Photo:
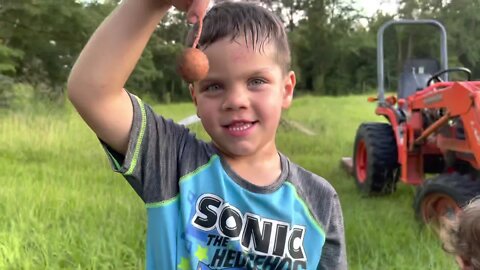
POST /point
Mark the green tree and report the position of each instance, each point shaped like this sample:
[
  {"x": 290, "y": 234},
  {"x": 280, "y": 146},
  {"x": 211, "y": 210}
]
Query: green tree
[
  {"x": 8, "y": 59},
  {"x": 462, "y": 18},
  {"x": 50, "y": 35},
  {"x": 322, "y": 46}
]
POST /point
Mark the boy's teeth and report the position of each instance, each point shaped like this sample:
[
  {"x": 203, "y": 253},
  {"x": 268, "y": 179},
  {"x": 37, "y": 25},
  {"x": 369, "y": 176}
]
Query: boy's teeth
[{"x": 240, "y": 126}]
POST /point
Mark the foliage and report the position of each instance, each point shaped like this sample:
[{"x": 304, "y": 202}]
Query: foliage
[
  {"x": 8, "y": 56},
  {"x": 333, "y": 52},
  {"x": 6, "y": 90},
  {"x": 16, "y": 96}
]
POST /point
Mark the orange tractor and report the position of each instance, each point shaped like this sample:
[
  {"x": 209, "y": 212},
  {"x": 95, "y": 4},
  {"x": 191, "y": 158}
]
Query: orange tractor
[{"x": 433, "y": 132}]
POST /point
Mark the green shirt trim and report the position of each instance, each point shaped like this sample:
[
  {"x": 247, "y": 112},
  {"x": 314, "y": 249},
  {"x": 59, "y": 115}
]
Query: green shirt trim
[
  {"x": 139, "y": 139},
  {"x": 182, "y": 179},
  {"x": 162, "y": 203},
  {"x": 189, "y": 176}
]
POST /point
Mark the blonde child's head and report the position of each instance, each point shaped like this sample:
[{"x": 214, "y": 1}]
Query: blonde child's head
[{"x": 461, "y": 237}]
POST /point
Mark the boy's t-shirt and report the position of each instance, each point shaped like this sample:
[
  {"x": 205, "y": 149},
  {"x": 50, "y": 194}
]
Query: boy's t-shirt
[{"x": 201, "y": 215}]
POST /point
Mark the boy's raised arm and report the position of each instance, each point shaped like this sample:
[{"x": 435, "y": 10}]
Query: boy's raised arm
[{"x": 95, "y": 85}]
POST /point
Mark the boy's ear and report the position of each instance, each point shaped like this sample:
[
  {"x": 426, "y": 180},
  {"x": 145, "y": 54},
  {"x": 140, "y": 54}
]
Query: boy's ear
[
  {"x": 288, "y": 88},
  {"x": 192, "y": 93}
]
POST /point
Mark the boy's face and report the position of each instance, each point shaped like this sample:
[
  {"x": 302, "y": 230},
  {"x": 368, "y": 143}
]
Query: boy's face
[{"x": 241, "y": 100}]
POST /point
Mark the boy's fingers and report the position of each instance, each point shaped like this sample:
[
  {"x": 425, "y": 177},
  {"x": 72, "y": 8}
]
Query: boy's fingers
[{"x": 197, "y": 10}]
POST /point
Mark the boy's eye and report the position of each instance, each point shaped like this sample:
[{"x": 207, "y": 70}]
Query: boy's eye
[
  {"x": 257, "y": 81},
  {"x": 212, "y": 88}
]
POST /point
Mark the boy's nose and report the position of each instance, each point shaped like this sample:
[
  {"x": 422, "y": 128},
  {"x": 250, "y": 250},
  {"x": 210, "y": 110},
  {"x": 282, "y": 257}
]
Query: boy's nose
[{"x": 236, "y": 98}]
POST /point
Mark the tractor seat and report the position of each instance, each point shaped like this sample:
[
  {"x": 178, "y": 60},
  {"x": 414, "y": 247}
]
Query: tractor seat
[
  {"x": 410, "y": 83},
  {"x": 415, "y": 75}
]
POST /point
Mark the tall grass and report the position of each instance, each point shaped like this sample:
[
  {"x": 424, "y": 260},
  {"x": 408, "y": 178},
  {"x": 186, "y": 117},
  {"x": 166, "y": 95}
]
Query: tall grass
[{"x": 62, "y": 208}]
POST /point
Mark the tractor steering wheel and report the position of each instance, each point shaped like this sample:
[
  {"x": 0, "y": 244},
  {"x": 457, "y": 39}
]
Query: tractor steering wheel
[{"x": 436, "y": 77}]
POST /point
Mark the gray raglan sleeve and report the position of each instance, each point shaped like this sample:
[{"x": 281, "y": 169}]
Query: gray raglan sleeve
[
  {"x": 334, "y": 250},
  {"x": 325, "y": 206},
  {"x": 152, "y": 162}
]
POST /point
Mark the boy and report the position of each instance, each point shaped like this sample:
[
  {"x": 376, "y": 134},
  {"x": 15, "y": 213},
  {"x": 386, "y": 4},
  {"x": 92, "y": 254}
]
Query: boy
[{"x": 234, "y": 203}]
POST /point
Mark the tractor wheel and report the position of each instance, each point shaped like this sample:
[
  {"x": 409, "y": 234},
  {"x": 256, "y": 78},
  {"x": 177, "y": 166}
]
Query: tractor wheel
[
  {"x": 443, "y": 197},
  {"x": 375, "y": 157}
]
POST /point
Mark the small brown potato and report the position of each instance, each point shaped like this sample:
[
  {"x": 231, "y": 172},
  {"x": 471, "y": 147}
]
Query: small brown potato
[{"x": 192, "y": 65}]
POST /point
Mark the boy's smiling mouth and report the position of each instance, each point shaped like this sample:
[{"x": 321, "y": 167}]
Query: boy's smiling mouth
[{"x": 239, "y": 127}]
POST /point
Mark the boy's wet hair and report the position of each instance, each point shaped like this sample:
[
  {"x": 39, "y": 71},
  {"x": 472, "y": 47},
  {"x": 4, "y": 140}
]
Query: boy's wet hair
[
  {"x": 247, "y": 20},
  {"x": 462, "y": 236}
]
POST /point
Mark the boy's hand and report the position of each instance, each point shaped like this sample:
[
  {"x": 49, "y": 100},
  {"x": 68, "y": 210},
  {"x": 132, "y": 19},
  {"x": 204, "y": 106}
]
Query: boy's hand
[{"x": 195, "y": 9}]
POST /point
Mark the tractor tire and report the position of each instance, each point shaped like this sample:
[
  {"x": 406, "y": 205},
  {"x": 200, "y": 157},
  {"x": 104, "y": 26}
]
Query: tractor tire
[
  {"x": 443, "y": 197},
  {"x": 375, "y": 164}
]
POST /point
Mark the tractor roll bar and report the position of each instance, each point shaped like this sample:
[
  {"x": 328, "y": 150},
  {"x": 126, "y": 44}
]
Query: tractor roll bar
[{"x": 380, "y": 60}]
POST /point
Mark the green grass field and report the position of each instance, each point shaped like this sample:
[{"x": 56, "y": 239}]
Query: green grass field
[{"x": 61, "y": 207}]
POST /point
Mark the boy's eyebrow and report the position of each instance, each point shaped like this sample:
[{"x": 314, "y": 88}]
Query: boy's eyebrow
[
  {"x": 257, "y": 72},
  {"x": 263, "y": 70},
  {"x": 244, "y": 74},
  {"x": 208, "y": 80}
]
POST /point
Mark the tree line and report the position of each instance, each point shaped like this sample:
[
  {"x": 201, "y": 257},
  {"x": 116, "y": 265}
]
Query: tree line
[{"x": 333, "y": 45}]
